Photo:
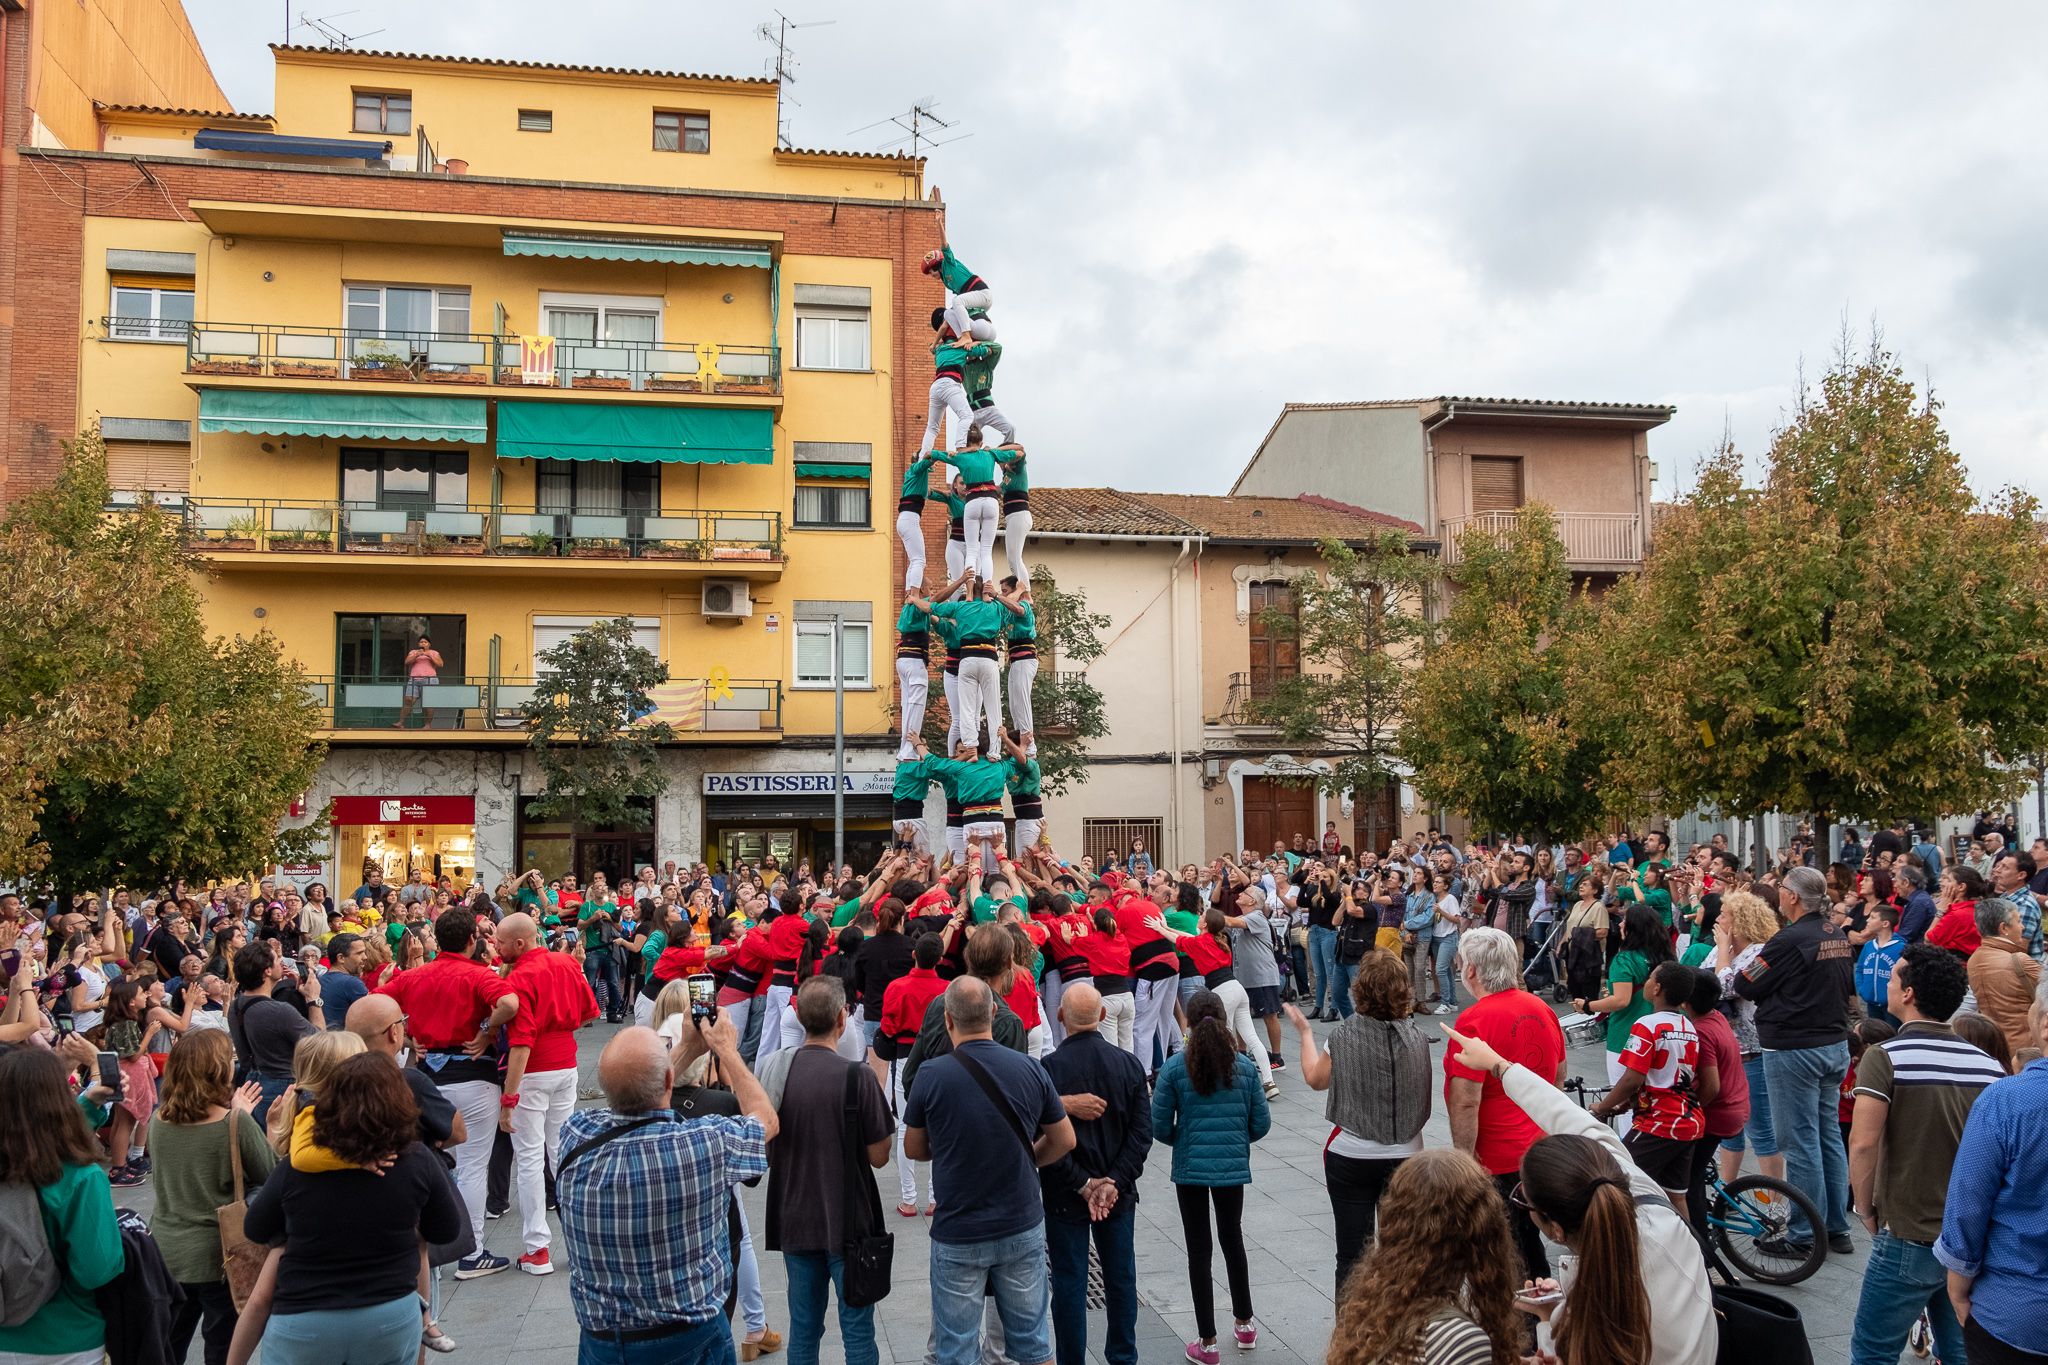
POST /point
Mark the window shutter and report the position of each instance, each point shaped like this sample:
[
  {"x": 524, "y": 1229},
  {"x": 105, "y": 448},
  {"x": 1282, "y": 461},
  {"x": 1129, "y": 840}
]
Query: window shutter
[
  {"x": 152, "y": 466},
  {"x": 814, "y": 653},
  {"x": 1496, "y": 483}
]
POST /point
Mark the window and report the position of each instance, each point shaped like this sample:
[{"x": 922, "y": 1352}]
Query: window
[
  {"x": 383, "y": 111},
  {"x": 601, "y": 317},
  {"x": 1100, "y": 839},
  {"x": 373, "y": 648},
  {"x": 831, "y": 505},
  {"x": 148, "y": 312},
  {"x": 147, "y": 455},
  {"x": 1275, "y": 652},
  {"x": 393, "y": 479},
  {"x": 679, "y": 132},
  {"x": 814, "y": 662},
  {"x": 536, "y": 120},
  {"x": 549, "y": 631},
  {"x": 832, "y": 338},
  {"x": 1496, "y": 483},
  {"x": 408, "y": 315},
  {"x": 597, "y": 487}
]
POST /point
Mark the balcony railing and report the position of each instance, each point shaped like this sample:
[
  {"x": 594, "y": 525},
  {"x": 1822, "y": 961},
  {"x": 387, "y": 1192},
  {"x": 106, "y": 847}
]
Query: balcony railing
[
  {"x": 1238, "y": 703},
  {"x": 1063, "y": 717},
  {"x": 280, "y": 526},
  {"x": 1591, "y": 539},
  {"x": 273, "y": 351},
  {"x": 485, "y": 704}
]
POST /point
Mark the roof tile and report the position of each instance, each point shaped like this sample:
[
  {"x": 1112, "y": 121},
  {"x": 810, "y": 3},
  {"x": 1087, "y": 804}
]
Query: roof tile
[
  {"x": 530, "y": 66},
  {"x": 1108, "y": 511}
]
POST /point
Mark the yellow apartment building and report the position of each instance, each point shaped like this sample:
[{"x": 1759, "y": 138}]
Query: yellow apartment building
[{"x": 478, "y": 352}]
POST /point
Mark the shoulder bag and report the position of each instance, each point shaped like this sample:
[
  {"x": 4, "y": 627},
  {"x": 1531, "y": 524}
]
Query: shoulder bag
[
  {"x": 870, "y": 1252},
  {"x": 241, "y": 1260}
]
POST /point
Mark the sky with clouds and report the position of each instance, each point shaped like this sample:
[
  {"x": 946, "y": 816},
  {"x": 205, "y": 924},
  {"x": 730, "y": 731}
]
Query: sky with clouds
[{"x": 1196, "y": 211}]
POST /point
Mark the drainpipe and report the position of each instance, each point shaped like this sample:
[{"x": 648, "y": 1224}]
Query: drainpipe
[
  {"x": 1432, "y": 522},
  {"x": 1173, "y": 687}
]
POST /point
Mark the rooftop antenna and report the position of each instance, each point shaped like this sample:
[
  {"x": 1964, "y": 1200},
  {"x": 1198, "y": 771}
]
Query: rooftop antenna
[
  {"x": 915, "y": 124},
  {"x": 783, "y": 65},
  {"x": 329, "y": 30}
]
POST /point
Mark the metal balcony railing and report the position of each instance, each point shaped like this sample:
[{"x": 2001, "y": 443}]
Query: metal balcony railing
[
  {"x": 1062, "y": 717},
  {"x": 280, "y": 351},
  {"x": 690, "y": 705},
  {"x": 283, "y": 526},
  {"x": 1590, "y": 538}
]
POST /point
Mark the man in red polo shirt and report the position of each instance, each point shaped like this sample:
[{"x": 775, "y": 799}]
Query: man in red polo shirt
[
  {"x": 1521, "y": 1028},
  {"x": 540, "y": 1069},
  {"x": 452, "y": 1006}
]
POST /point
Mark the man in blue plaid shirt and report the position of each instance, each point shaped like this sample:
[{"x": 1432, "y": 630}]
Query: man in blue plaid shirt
[{"x": 644, "y": 1197}]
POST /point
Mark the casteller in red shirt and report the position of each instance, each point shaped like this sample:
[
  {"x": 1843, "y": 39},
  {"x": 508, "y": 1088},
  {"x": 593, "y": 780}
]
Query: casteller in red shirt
[
  {"x": 904, "y": 1003},
  {"x": 1522, "y": 1029},
  {"x": 554, "y": 1001},
  {"x": 445, "y": 1000}
]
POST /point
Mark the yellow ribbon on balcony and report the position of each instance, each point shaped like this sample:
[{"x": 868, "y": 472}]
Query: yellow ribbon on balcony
[{"x": 720, "y": 683}]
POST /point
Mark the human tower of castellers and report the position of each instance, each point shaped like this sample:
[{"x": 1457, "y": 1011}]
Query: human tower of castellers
[{"x": 975, "y": 617}]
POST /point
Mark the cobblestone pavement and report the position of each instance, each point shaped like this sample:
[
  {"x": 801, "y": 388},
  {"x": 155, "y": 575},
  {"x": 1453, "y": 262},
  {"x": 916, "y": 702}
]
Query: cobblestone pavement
[{"x": 1289, "y": 1235}]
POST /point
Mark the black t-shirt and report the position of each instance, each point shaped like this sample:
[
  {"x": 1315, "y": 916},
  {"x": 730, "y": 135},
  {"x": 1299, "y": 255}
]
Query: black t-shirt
[
  {"x": 1322, "y": 906},
  {"x": 807, "y": 1159},
  {"x": 353, "y": 1235},
  {"x": 265, "y": 1033},
  {"x": 437, "y": 1115},
  {"x": 1883, "y": 839},
  {"x": 883, "y": 958}
]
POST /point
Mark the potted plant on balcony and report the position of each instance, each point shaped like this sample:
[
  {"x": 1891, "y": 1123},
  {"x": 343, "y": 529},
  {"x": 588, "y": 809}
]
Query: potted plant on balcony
[
  {"x": 381, "y": 364},
  {"x": 304, "y": 369},
  {"x": 438, "y": 544},
  {"x": 209, "y": 365},
  {"x": 597, "y": 548},
  {"x": 673, "y": 383},
  {"x": 671, "y": 549},
  {"x": 742, "y": 551},
  {"x": 299, "y": 541},
  {"x": 241, "y": 534},
  {"x": 602, "y": 381},
  {"x": 532, "y": 543}
]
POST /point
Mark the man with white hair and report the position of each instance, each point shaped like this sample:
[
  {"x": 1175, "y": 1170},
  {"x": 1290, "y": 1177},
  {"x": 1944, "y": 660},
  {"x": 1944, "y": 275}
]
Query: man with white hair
[
  {"x": 1521, "y": 1028},
  {"x": 1802, "y": 983}
]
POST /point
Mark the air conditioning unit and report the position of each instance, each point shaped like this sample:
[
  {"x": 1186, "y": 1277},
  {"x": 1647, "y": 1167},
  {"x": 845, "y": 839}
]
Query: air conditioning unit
[{"x": 727, "y": 599}]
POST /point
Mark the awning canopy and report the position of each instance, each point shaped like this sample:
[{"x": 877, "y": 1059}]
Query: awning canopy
[
  {"x": 807, "y": 470},
  {"x": 384, "y": 417},
  {"x": 635, "y": 433},
  {"x": 635, "y": 249},
  {"x": 277, "y": 144}
]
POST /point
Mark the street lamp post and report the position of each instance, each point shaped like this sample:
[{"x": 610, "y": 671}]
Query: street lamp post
[{"x": 838, "y": 744}]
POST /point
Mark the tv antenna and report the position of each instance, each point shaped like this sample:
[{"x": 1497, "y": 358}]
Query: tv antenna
[
  {"x": 916, "y": 124},
  {"x": 782, "y": 66},
  {"x": 329, "y": 30}
]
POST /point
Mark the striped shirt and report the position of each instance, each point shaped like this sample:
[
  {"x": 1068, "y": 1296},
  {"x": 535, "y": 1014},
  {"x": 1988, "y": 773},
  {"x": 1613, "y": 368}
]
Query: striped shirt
[
  {"x": 1929, "y": 1078},
  {"x": 1451, "y": 1338}
]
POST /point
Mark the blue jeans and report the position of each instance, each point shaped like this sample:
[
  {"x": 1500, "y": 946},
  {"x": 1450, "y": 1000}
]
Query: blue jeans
[
  {"x": 384, "y": 1334},
  {"x": 600, "y": 968},
  {"x": 1115, "y": 1244},
  {"x": 1340, "y": 985},
  {"x": 1322, "y": 953},
  {"x": 963, "y": 1272},
  {"x": 809, "y": 1272},
  {"x": 1806, "y": 1104},
  {"x": 272, "y": 1087},
  {"x": 1902, "y": 1278},
  {"x": 708, "y": 1343},
  {"x": 1447, "y": 969},
  {"x": 1757, "y": 1133}
]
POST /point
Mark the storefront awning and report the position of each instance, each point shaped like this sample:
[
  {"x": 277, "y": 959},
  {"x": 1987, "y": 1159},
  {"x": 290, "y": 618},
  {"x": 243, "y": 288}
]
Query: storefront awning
[
  {"x": 635, "y": 433},
  {"x": 635, "y": 249},
  {"x": 376, "y": 416}
]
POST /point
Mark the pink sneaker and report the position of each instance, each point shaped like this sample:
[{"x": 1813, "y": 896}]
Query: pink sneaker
[
  {"x": 1247, "y": 1336},
  {"x": 1202, "y": 1355}
]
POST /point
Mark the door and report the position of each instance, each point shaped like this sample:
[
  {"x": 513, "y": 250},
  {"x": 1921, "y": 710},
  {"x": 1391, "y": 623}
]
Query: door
[
  {"x": 1275, "y": 655},
  {"x": 1275, "y": 813},
  {"x": 1373, "y": 818},
  {"x": 1496, "y": 483},
  {"x": 606, "y": 853}
]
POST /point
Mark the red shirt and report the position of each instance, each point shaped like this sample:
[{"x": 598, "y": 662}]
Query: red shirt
[
  {"x": 1145, "y": 942},
  {"x": 1521, "y": 1029},
  {"x": 554, "y": 1001},
  {"x": 1956, "y": 930},
  {"x": 1718, "y": 1048},
  {"x": 1023, "y": 1000},
  {"x": 905, "y": 1001},
  {"x": 1205, "y": 952},
  {"x": 444, "y": 1000},
  {"x": 1664, "y": 1049},
  {"x": 1105, "y": 954},
  {"x": 786, "y": 939},
  {"x": 685, "y": 959}
]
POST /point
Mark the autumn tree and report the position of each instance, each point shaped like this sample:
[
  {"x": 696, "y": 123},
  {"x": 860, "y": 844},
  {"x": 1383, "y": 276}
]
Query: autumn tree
[
  {"x": 1855, "y": 637},
  {"x": 591, "y": 732},
  {"x": 1490, "y": 730}
]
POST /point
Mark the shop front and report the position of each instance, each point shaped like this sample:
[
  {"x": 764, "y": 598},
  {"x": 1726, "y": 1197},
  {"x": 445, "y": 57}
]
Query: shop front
[
  {"x": 398, "y": 835},
  {"x": 562, "y": 848},
  {"x": 752, "y": 816}
]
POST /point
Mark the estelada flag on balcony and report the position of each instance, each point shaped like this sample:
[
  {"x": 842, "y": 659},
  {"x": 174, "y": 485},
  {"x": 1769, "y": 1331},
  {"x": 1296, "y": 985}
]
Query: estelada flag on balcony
[
  {"x": 536, "y": 360},
  {"x": 680, "y": 703}
]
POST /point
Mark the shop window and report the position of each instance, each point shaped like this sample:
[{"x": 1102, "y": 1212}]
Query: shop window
[
  {"x": 149, "y": 312},
  {"x": 816, "y": 666},
  {"x": 675, "y": 131},
  {"x": 831, "y": 506},
  {"x": 383, "y": 111},
  {"x": 1104, "y": 839},
  {"x": 393, "y": 479}
]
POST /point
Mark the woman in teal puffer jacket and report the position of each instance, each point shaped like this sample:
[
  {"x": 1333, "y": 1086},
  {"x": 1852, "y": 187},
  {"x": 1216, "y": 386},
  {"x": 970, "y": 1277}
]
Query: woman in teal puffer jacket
[{"x": 1210, "y": 1108}]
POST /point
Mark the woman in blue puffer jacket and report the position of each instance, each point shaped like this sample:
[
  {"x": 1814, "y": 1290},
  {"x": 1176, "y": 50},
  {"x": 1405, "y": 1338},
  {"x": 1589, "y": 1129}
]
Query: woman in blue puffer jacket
[{"x": 1210, "y": 1108}]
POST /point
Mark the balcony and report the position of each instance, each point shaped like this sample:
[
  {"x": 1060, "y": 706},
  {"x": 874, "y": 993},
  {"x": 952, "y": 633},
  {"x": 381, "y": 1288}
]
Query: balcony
[
  {"x": 1242, "y": 701},
  {"x": 1594, "y": 542},
  {"x": 1062, "y": 718},
  {"x": 487, "y": 709},
  {"x": 336, "y": 355},
  {"x": 284, "y": 534}
]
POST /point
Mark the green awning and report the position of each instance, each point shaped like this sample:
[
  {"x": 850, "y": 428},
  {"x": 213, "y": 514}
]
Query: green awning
[
  {"x": 372, "y": 416},
  {"x": 635, "y": 433},
  {"x": 832, "y": 471},
  {"x": 635, "y": 249}
]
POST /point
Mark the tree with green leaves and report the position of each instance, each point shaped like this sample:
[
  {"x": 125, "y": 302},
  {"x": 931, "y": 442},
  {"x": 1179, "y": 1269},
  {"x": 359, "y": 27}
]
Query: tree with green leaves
[
  {"x": 590, "y": 729},
  {"x": 1491, "y": 730},
  {"x": 133, "y": 747},
  {"x": 1856, "y": 637},
  {"x": 1359, "y": 625}
]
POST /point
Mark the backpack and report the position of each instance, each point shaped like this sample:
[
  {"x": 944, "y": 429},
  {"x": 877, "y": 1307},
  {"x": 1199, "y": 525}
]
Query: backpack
[{"x": 29, "y": 1273}]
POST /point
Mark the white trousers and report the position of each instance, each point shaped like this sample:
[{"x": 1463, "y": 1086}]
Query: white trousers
[
  {"x": 546, "y": 1099},
  {"x": 1155, "y": 1025},
  {"x": 981, "y": 693},
  {"x": 983, "y": 298},
  {"x": 1022, "y": 674},
  {"x": 913, "y": 833},
  {"x": 738, "y": 1014},
  {"x": 914, "y": 680},
  {"x": 956, "y": 844},
  {"x": 1119, "y": 1018},
  {"x": 985, "y": 839},
  {"x": 1016, "y": 535},
  {"x": 910, "y": 530},
  {"x": 906, "y": 1169},
  {"x": 979, "y": 522},
  {"x": 1027, "y": 834},
  {"x": 1231, "y": 993},
  {"x": 778, "y": 1015},
  {"x": 991, "y": 417},
  {"x": 950, "y": 681},
  {"x": 477, "y": 1102},
  {"x": 956, "y": 556},
  {"x": 1049, "y": 988},
  {"x": 947, "y": 397}
]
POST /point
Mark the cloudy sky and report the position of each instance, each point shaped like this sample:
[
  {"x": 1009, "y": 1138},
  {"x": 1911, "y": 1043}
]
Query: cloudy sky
[{"x": 1195, "y": 211}]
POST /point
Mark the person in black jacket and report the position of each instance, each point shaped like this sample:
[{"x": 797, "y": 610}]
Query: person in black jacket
[{"x": 1093, "y": 1190}]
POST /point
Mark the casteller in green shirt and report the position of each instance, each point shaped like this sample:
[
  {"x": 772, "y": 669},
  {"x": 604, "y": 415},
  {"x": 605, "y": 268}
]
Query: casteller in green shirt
[{"x": 986, "y": 907}]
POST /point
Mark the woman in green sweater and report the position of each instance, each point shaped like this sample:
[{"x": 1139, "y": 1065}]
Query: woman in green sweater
[
  {"x": 1645, "y": 945},
  {"x": 46, "y": 1144}
]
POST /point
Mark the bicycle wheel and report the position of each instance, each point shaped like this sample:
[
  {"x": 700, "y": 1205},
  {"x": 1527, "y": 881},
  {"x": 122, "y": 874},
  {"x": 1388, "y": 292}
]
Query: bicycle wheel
[{"x": 1750, "y": 1217}]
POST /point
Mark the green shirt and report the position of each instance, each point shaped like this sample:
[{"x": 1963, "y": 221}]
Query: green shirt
[
  {"x": 917, "y": 477},
  {"x": 913, "y": 779},
  {"x": 846, "y": 912},
  {"x": 955, "y": 506},
  {"x": 1023, "y": 625},
  {"x": 593, "y": 933},
  {"x": 78, "y": 1221},
  {"x": 985, "y": 907},
  {"x": 913, "y": 620},
  {"x": 1183, "y": 922},
  {"x": 978, "y": 621},
  {"x": 1696, "y": 953},
  {"x": 192, "y": 1175},
  {"x": 980, "y": 378},
  {"x": 955, "y": 276},
  {"x": 1630, "y": 968},
  {"x": 976, "y": 465},
  {"x": 1023, "y": 778},
  {"x": 1014, "y": 477},
  {"x": 970, "y": 781},
  {"x": 530, "y": 900},
  {"x": 953, "y": 355},
  {"x": 656, "y": 945}
]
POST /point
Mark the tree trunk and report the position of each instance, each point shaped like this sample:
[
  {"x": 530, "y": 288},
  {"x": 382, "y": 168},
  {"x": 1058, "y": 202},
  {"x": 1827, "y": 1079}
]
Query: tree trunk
[{"x": 1759, "y": 856}]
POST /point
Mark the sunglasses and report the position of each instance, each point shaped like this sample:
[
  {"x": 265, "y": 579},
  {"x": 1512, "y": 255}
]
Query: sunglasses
[{"x": 1519, "y": 1199}]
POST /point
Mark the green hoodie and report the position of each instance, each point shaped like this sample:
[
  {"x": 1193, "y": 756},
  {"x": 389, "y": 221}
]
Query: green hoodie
[{"x": 918, "y": 476}]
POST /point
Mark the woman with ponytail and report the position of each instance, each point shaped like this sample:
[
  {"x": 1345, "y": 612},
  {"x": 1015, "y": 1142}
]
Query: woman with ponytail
[
  {"x": 1640, "y": 1294},
  {"x": 1210, "y": 1108}
]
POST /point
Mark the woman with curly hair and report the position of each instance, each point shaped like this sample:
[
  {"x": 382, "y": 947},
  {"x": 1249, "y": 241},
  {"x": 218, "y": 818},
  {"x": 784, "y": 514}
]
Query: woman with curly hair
[
  {"x": 1437, "y": 1287},
  {"x": 1745, "y": 924}
]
